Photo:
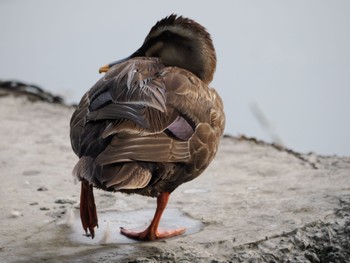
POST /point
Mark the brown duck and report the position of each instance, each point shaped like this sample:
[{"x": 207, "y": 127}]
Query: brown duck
[{"x": 151, "y": 123}]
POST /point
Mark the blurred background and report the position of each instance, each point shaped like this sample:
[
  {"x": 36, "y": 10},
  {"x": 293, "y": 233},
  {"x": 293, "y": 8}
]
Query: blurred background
[{"x": 283, "y": 66}]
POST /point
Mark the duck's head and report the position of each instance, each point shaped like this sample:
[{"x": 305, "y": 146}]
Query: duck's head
[{"x": 180, "y": 42}]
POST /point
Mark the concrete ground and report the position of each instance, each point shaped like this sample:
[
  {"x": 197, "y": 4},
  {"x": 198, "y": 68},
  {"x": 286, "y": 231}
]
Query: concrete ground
[{"x": 255, "y": 203}]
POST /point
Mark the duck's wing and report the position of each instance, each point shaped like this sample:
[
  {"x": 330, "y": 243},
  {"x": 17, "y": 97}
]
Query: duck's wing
[
  {"x": 130, "y": 99},
  {"x": 141, "y": 111}
]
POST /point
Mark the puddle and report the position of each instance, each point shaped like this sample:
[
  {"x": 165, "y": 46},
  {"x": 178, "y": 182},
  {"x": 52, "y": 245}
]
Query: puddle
[{"x": 110, "y": 222}]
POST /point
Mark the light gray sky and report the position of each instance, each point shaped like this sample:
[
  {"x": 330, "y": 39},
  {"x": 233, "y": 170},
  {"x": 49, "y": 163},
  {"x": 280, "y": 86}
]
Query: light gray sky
[{"x": 290, "y": 59}]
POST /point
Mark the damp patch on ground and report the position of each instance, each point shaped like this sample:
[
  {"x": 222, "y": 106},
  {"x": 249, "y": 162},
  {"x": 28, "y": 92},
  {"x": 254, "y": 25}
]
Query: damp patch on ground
[{"x": 110, "y": 222}]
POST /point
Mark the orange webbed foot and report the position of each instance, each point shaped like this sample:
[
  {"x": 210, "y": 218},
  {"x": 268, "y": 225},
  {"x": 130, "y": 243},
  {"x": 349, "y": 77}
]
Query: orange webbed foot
[
  {"x": 149, "y": 235},
  {"x": 152, "y": 232}
]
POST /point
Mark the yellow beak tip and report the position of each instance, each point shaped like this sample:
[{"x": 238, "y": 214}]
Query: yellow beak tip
[{"x": 104, "y": 68}]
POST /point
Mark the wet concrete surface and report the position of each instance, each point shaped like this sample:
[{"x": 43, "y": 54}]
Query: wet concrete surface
[{"x": 255, "y": 203}]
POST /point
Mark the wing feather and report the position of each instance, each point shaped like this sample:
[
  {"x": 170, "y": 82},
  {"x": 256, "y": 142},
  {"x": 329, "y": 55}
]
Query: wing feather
[
  {"x": 143, "y": 112},
  {"x": 154, "y": 148}
]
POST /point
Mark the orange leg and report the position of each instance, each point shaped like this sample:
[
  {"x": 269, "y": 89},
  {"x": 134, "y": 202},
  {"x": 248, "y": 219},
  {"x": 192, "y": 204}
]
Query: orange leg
[
  {"x": 152, "y": 232},
  {"x": 88, "y": 214}
]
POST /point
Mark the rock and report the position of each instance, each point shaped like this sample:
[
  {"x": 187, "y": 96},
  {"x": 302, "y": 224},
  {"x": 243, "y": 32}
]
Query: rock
[
  {"x": 31, "y": 173},
  {"x": 312, "y": 257},
  {"x": 65, "y": 201},
  {"x": 16, "y": 213}
]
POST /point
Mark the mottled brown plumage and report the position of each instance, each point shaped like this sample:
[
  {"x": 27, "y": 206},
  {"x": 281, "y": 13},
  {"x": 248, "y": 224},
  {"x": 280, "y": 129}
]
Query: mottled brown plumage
[{"x": 151, "y": 123}]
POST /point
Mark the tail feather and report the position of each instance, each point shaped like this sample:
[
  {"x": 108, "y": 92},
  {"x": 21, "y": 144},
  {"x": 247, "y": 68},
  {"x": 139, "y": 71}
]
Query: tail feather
[{"x": 84, "y": 169}]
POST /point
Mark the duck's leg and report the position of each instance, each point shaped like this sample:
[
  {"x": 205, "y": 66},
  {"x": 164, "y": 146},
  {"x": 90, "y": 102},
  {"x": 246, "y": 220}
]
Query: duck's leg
[
  {"x": 152, "y": 232},
  {"x": 88, "y": 214}
]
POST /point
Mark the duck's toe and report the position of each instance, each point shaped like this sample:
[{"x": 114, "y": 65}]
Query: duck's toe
[{"x": 149, "y": 235}]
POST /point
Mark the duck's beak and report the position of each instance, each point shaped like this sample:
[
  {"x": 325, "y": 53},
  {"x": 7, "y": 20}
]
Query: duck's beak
[{"x": 106, "y": 67}]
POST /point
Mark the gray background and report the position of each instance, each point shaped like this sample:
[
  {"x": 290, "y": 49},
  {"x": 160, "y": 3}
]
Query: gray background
[{"x": 287, "y": 60}]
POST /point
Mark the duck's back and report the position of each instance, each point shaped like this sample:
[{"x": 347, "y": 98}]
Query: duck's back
[{"x": 146, "y": 128}]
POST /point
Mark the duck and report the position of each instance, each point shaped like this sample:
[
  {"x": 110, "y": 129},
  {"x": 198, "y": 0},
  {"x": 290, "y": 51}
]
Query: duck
[{"x": 151, "y": 123}]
